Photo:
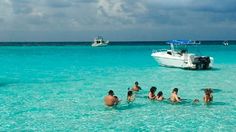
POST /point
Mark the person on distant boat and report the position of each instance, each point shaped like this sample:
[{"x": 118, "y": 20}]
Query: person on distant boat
[
  {"x": 151, "y": 94},
  {"x": 110, "y": 100},
  {"x": 174, "y": 97},
  {"x": 136, "y": 87},
  {"x": 130, "y": 96},
  {"x": 159, "y": 96},
  {"x": 208, "y": 97}
]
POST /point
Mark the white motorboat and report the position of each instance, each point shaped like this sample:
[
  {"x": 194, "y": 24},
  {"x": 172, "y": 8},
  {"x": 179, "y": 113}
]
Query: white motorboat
[
  {"x": 181, "y": 58},
  {"x": 225, "y": 43},
  {"x": 99, "y": 42}
]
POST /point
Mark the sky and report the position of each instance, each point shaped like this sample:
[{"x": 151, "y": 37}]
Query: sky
[{"x": 117, "y": 20}]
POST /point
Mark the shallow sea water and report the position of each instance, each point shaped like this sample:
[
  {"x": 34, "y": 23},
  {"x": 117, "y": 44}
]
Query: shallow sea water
[{"x": 46, "y": 88}]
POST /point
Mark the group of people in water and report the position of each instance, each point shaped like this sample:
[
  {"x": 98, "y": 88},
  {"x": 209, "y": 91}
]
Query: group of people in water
[{"x": 111, "y": 99}]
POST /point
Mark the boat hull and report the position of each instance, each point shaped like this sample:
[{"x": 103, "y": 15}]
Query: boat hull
[
  {"x": 99, "y": 45},
  {"x": 169, "y": 62},
  {"x": 179, "y": 61}
]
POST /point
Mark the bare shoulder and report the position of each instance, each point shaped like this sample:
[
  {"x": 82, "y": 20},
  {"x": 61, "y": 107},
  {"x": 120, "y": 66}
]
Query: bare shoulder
[{"x": 105, "y": 98}]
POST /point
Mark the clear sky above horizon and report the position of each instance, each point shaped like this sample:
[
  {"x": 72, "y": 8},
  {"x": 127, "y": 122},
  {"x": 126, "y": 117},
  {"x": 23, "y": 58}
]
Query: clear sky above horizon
[{"x": 117, "y": 20}]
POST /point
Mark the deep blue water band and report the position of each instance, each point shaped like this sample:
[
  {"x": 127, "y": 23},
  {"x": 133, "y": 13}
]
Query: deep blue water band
[{"x": 123, "y": 43}]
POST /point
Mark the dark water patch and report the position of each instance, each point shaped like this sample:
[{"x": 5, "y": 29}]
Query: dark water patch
[
  {"x": 128, "y": 106},
  {"x": 218, "y": 103},
  {"x": 215, "y": 69},
  {"x": 112, "y": 43},
  {"x": 214, "y": 90},
  {"x": 45, "y": 43},
  {"x": 3, "y": 84},
  {"x": 202, "y": 70}
]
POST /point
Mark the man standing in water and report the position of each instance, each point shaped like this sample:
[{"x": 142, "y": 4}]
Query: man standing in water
[{"x": 110, "y": 99}]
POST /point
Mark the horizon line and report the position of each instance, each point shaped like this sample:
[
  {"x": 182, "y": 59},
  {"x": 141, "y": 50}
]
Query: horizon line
[{"x": 72, "y": 41}]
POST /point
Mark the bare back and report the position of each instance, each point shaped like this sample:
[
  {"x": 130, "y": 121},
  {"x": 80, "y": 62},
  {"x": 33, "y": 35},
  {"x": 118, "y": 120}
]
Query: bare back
[
  {"x": 207, "y": 98},
  {"x": 109, "y": 100},
  {"x": 136, "y": 88},
  {"x": 174, "y": 97}
]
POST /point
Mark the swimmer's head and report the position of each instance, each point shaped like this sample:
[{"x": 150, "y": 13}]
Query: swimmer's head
[
  {"x": 208, "y": 91},
  {"x": 130, "y": 93},
  {"x": 111, "y": 92},
  {"x": 136, "y": 83},
  {"x": 159, "y": 93},
  {"x": 175, "y": 90},
  {"x": 153, "y": 89},
  {"x": 196, "y": 100}
]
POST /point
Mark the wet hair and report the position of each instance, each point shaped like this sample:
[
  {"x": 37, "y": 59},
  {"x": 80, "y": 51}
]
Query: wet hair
[
  {"x": 111, "y": 92},
  {"x": 159, "y": 94},
  {"x": 196, "y": 100},
  {"x": 116, "y": 97},
  {"x": 175, "y": 90},
  {"x": 136, "y": 83},
  {"x": 208, "y": 91},
  {"x": 130, "y": 93},
  {"x": 153, "y": 89}
]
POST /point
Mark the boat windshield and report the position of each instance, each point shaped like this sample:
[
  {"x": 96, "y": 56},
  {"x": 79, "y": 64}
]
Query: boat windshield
[{"x": 181, "y": 48}]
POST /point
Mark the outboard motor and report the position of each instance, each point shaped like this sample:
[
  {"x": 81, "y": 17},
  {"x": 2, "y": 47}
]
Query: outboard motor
[
  {"x": 206, "y": 61},
  {"x": 201, "y": 62}
]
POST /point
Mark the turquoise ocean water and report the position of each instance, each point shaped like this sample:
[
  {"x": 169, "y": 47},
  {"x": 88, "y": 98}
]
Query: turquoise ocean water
[{"x": 46, "y": 88}]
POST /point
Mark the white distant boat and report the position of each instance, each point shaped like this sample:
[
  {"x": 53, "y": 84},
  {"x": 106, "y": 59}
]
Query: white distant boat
[
  {"x": 225, "y": 43},
  {"x": 99, "y": 42},
  {"x": 181, "y": 58},
  {"x": 197, "y": 42}
]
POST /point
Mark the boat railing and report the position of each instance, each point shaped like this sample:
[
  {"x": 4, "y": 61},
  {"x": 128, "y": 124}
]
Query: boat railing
[
  {"x": 163, "y": 49},
  {"x": 160, "y": 50}
]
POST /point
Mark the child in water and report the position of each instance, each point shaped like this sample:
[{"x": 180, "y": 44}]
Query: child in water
[
  {"x": 208, "y": 97},
  {"x": 159, "y": 96},
  {"x": 151, "y": 94},
  {"x": 130, "y": 96}
]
